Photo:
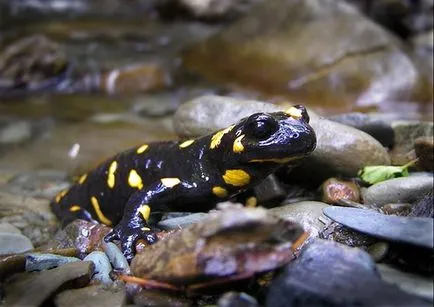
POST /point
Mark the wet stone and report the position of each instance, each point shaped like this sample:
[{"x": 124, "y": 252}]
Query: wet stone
[
  {"x": 334, "y": 190},
  {"x": 419, "y": 285},
  {"x": 237, "y": 299},
  {"x": 270, "y": 190},
  {"x": 117, "y": 259},
  {"x": 102, "y": 266},
  {"x": 398, "y": 190},
  {"x": 378, "y": 129},
  {"x": 309, "y": 214},
  {"x": 333, "y": 274},
  {"x": 408, "y": 230},
  {"x": 6, "y": 227},
  {"x": 32, "y": 289},
  {"x": 92, "y": 296},
  {"x": 181, "y": 222},
  {"x": 41, "y": 262},
  {"x": 11, "y": 243},
  {"x": 378, "y": 251},
  {"x": 151, "y": 298}
]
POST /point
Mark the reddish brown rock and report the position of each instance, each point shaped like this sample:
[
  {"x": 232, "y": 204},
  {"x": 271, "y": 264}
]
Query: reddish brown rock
[
  {"x": 424, "y": 148},
  {"x": 333, "y": 190}
]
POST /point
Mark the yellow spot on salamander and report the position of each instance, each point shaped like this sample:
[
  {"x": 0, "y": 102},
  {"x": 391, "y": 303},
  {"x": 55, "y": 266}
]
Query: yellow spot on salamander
[
  {"x": 75, "y": 208},
  {"x": 238, "y": 146},
  {"x": 217, "y": 137},
  {"x": 280, "y": 161},
  {"x": 236, "y": 177},
  {"x": 60, "y": 196},
  {"x": 186, "y": 143},
  {"x": 145, "y": 211},
  {"x": 111, "y": 174},
  {"x": 134, "y": 180},
  {"x": 219, "y": 191},
  {"x": 99, "y": 214},
  {"x": 142, "y": 148},
  {"x": 146, "y": 229},
  {"x": 251, "y": 202},
  {"x": 170, "y": 182},
  {"x": 294, "y": 112},
  {"x": 82, "y": 179}
]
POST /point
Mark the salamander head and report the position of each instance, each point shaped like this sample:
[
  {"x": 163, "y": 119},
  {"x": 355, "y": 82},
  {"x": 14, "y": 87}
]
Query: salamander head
[{"x": 278, "y": 137}]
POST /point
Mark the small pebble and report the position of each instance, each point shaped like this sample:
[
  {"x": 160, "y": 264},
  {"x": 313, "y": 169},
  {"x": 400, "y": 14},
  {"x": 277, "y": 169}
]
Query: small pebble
[
  {"x": 116, "y": 257},
  {"x": 334, "y": 190},
  {"x": 237, "y": 299},
  {"x": 102, "y": 266},
  {"x": 378, "y": 251}
]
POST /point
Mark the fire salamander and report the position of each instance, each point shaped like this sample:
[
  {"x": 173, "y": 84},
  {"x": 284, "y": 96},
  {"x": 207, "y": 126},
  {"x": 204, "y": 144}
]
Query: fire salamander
[{"x": 191, "y": 175}]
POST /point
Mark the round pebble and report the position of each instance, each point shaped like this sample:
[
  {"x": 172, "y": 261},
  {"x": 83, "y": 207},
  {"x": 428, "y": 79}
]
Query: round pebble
[
  {"x": 116, "y": 257},
  {"x": 102, "y": 266}
]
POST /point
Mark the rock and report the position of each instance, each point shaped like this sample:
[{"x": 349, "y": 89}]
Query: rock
[
  {"x": 409, "y": 230},
  {"x": 424, "y": 207},
  {"x": 92, "y": 296},
  {"x": 424, "y": 149},
  {"x": 32, "y": 289},
  {"x": 42, "y": 262},
  {"x": 378, "y": 251},
  {"x": 397, "y": 209},
  {"x": 6, "y": 227},
  {"x": 156, "y": 105},
  {"x": 412, "y": 283},
  {"x": 318, "y": 53},
  {"x": 378, "y": 129},
  {"x": 423, "y": 48},
  {"x": 237, "y": 299},
  {"x": 309, "y": 214},
  {"x": 32, "y": 63},
  {"x": 18, "y": 203},
  {"x": 135, "y": 79},
  {"x": 117, "y": 259},
  {"x": 102, "y": 266},
  {"x": 270, "y": 191},
  {"x": 406, "y": 133},
  {"x": 397, "y": 190},
  {"x": 335, "y": 275},
  {"x": 181, "y": 222},
  {"x": 344, "y": 235},
  {"x": 14, "y": 132},
  {"x": 157, "y": 298},
  {"x": 341, "y": 150},
  {"x": 334, "y": 190},
  {"x": 13, "y": 243}
]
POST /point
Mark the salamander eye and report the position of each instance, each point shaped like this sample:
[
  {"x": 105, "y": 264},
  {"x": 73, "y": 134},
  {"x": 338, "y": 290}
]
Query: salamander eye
[{"x": 262, "y": 128}]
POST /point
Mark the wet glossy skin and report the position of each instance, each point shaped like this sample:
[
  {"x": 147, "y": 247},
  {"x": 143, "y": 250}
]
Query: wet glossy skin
[{"x": 192, "y": 175}]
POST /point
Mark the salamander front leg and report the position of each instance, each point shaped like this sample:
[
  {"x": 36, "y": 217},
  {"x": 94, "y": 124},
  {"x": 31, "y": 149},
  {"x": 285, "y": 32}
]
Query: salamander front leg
[{"x": 133, "y": 225}]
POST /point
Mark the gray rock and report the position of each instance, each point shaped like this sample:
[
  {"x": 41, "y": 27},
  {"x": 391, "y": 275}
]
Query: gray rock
[
  {"x": 378, "y": 251},
  {"x": 14, "y": 132},
  {"x": 412, "y": 283},
  {"x": 116, "y": 257},
  {"x": 341, "y": 150},
  {"x": 407, "y": 131},
  {"x": 32, "y": 289},
  {"x": 237, "y": 299},
  {"x": 378, "y": 129},
  {"x": 410, "y": 230},
  {"x": 92, "y": 296},
  {"x": 309, "y": 214},
  {"x": 269, "y": 190},
  {"x": 397, "y": 190},
  {"x": 331, "y": 274},
  {"x": 41, "y": 262},
  {"x": 102, "y": 266},
  {"x": 181, "y": 222},
  {"x": 12, "y": 243},
  {"x": 6, "y": 227}
]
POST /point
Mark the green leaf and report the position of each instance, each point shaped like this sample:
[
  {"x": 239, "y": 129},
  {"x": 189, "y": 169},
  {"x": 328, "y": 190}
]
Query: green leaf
[{"x": 377, "y": 173}]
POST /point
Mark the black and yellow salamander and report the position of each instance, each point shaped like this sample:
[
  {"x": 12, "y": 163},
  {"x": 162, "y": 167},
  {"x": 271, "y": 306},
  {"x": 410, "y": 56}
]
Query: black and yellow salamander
[{"x": 191, "y": 175}]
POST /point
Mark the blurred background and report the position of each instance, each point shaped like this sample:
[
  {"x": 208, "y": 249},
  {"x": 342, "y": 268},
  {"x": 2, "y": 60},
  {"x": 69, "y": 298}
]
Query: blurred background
[{"x": 107, "y": 74}]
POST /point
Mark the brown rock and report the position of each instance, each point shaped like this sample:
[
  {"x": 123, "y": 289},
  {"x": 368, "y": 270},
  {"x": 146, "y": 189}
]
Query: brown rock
[
  {"x": 333, "y": 190},
  {"x": 135, "y": 79},
  {"x": 92, "y": 296},
  {"x": 424, "y": 148},
  {"x": 316, "y": 52}
]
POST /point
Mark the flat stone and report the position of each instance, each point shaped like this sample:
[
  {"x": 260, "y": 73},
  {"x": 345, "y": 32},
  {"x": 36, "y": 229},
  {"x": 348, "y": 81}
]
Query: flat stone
[
  {"x": 41, "y": 262},
  {"x": 410, "y": 230},
  {"x": 92, "y": 296},
  {"x": 13, "y": 243},
  {"x": 412, "y": 283},
  {"x": 331, "y": 274},
  {"x": 32, "y": 289},
  {"x": 307, "y": 213},
  {"x": 398, "y": 190}
]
